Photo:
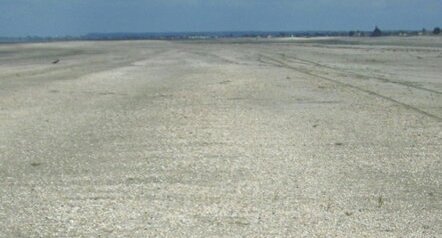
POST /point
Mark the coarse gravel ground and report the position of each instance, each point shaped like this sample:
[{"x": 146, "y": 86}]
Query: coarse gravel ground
[{"x": 333, "y": 137}]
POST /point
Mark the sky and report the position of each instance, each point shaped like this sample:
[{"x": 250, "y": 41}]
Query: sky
[{"x": 79, "y": 17}]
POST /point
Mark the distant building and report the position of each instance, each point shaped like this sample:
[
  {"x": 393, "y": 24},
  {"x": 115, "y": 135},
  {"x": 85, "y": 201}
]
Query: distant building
[
  {"x": 403, "y": 34},
  {"x": 356, "y": 33}
]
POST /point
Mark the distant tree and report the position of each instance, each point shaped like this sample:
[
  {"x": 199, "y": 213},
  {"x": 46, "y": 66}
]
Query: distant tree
[
  {"x": 436, "y": 31},
  {"x": 351, "y": 33},
  {"x": 377, "y": 32}
]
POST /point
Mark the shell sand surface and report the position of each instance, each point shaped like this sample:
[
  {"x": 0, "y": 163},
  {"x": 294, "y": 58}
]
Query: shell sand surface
[{"x": 333, "y": 137}]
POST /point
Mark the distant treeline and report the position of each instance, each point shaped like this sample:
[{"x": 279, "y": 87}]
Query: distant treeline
[{"x": 216, "y": 35}]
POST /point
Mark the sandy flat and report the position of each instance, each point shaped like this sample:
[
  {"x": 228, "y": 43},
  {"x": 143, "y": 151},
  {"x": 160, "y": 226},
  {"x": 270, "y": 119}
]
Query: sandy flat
[{"x": 229, "y": 138}]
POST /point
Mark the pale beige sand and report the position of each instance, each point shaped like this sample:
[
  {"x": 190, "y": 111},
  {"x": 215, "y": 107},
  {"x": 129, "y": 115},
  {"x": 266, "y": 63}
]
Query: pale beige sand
[{"x": 233, "y": 138}]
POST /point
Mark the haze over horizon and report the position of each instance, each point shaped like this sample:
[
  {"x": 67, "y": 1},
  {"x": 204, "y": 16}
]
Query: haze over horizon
[{"x": 79, "y": 17}]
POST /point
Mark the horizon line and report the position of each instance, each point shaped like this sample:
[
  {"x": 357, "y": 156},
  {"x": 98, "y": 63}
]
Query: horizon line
[{"x": 214, "y": 31}]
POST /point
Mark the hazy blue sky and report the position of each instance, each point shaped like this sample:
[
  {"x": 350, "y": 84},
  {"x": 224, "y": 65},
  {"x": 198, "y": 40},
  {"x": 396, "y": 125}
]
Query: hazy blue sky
[{"x": 76, "y": 17}]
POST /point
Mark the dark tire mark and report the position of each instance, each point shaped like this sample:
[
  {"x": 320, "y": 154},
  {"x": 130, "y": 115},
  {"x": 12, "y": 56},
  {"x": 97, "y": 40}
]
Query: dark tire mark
[
  {"x": 382, "y": 79},
  {"x": 280, "y": 63}
]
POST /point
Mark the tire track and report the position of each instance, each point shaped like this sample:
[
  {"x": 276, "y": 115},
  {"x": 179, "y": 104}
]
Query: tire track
[
  {"x": 382, "y": 79},
  {"x": 276, "y": 62}
]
